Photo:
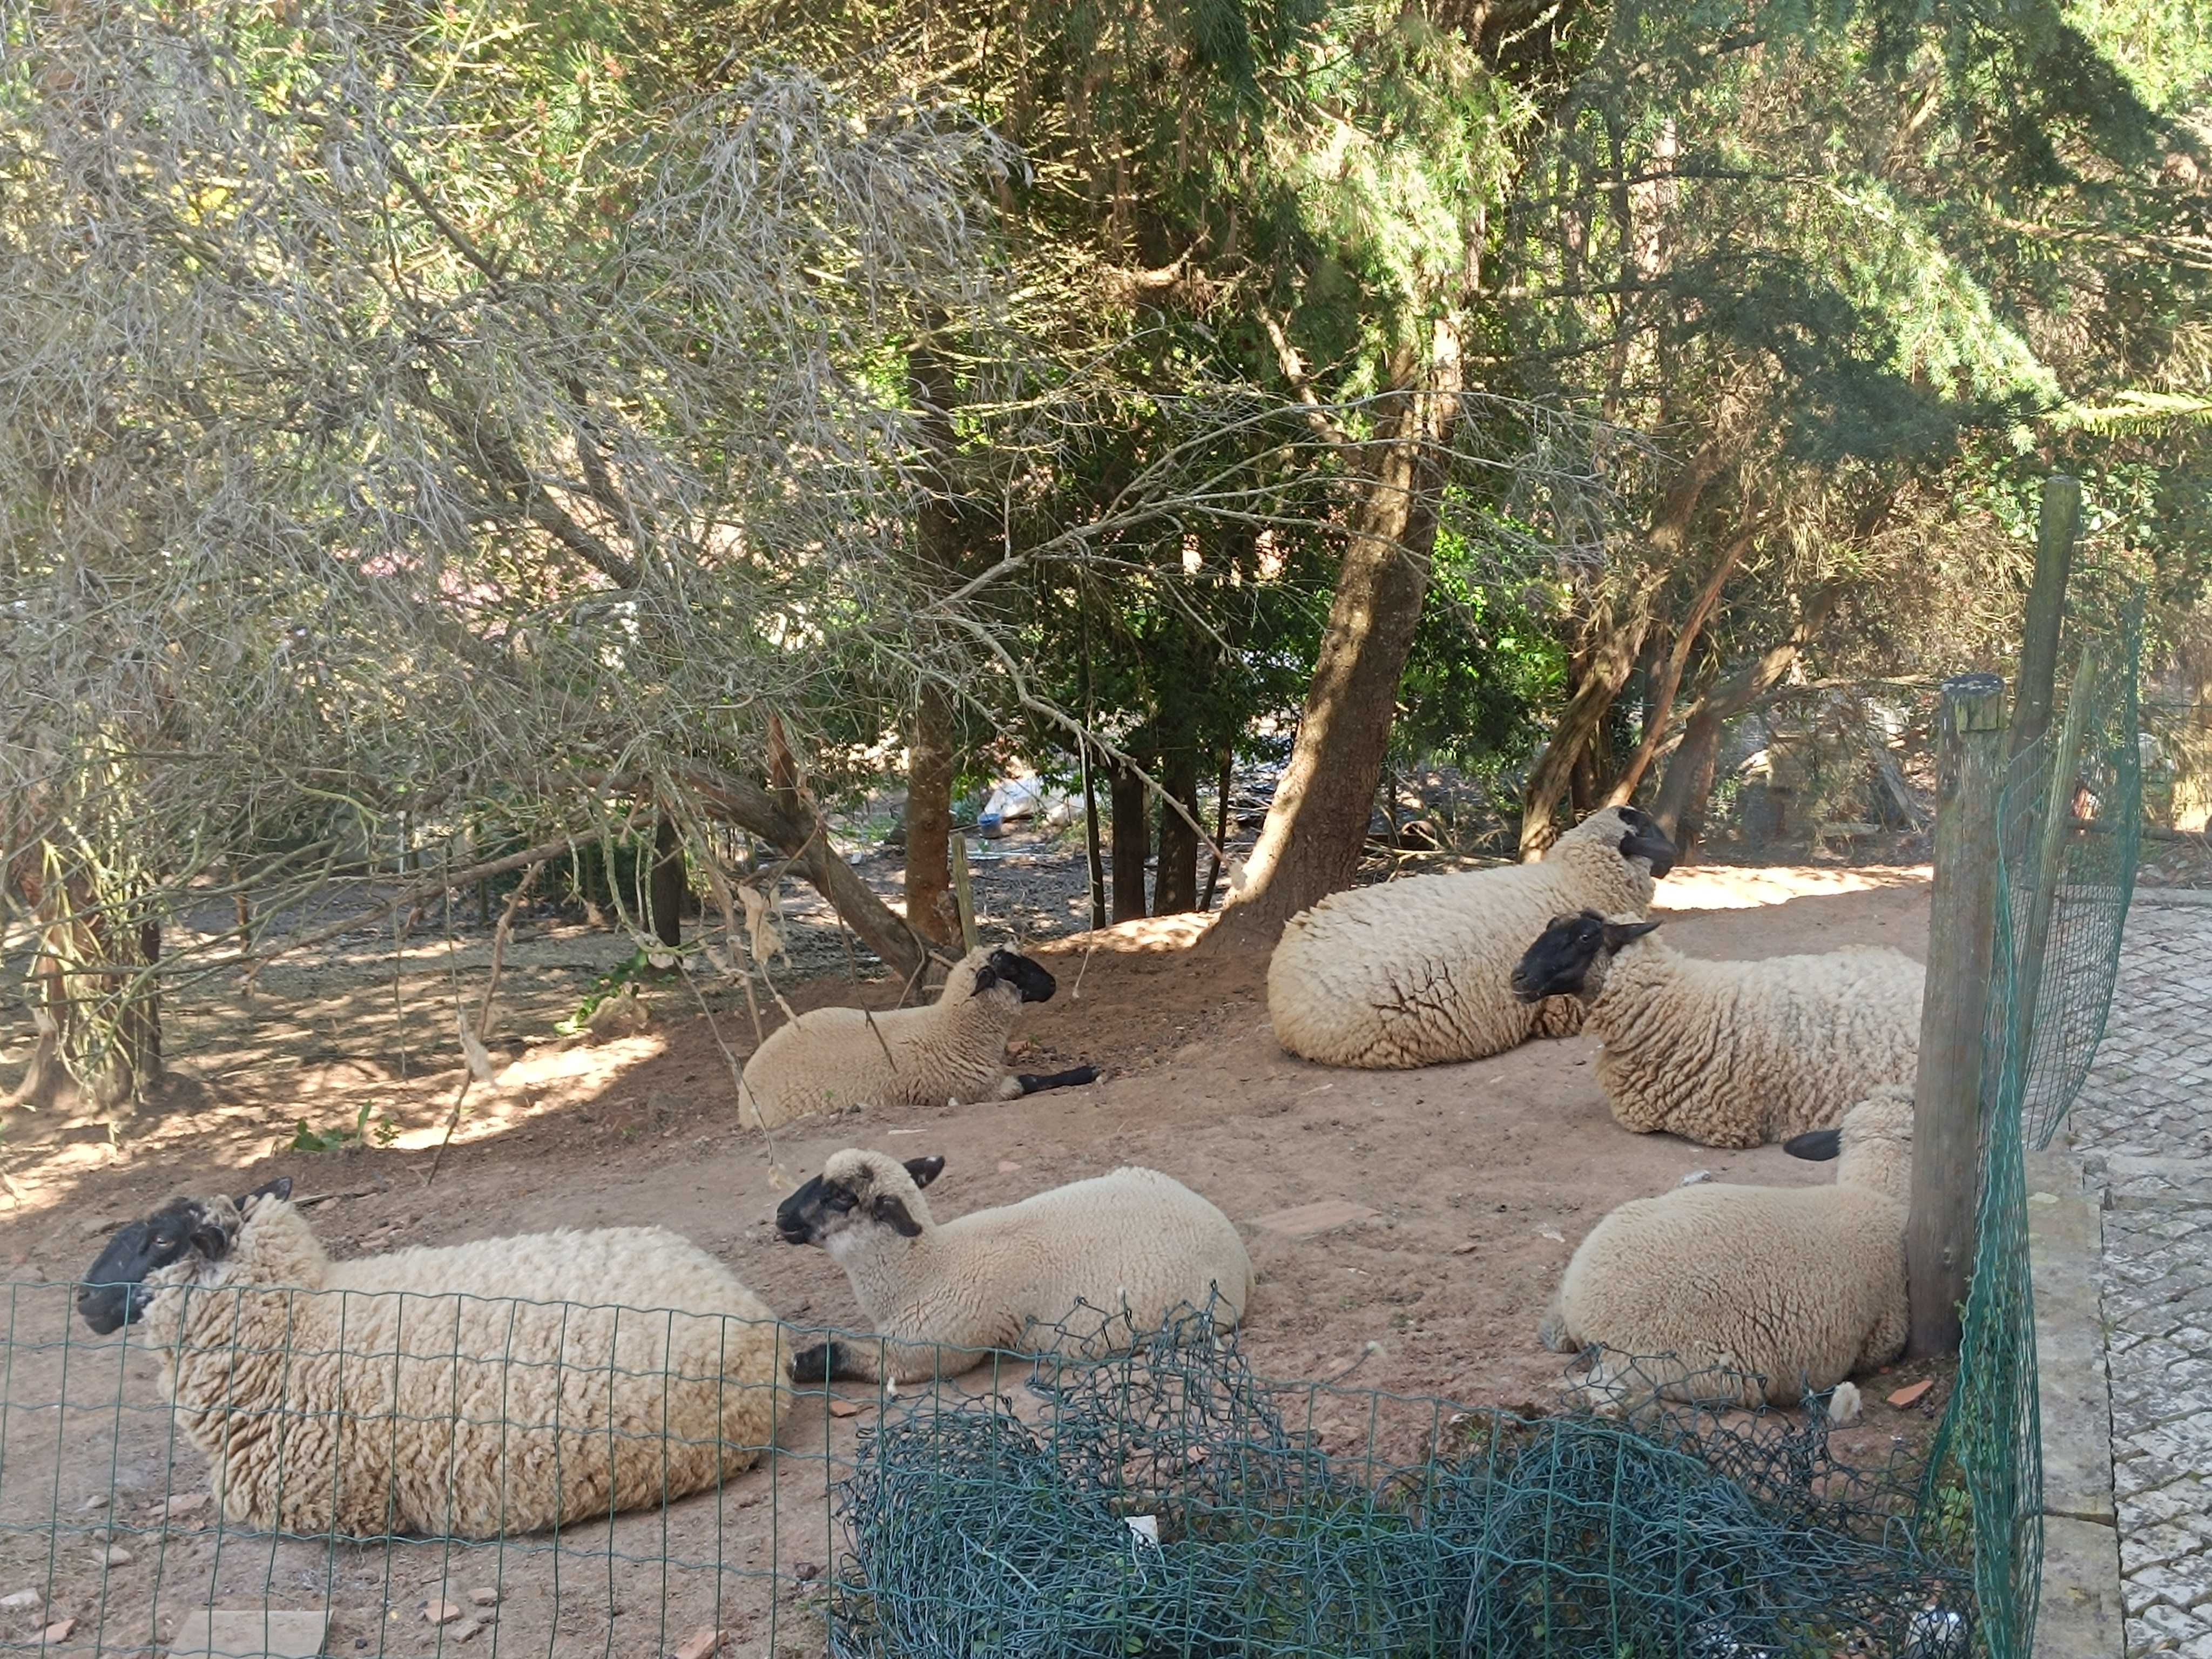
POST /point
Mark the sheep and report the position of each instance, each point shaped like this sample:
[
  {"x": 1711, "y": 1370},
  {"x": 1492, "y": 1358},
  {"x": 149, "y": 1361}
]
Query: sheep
[
  {"x": 1133, "y": 1246},
  {"x": 480, "y": 1389},
  {"x": 1414, "y": 972},
  {"x": 1728, "y": 1053},
  {"x": 1789, "y": 1289},
  {"x": 952, "y": 1050}
]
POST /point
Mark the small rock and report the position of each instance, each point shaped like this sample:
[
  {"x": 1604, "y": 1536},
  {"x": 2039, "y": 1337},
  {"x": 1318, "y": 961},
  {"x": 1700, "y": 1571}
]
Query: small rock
[
  {"x": 1007, "y": 1167},
  {"x": 1911, "y": 1392},
  {"x": 485, "y": 1597},
  {"x": 805, "y": 1571},
  {"x": 1468, "y": 1248},
  {"x": 97, "y": 1501},
  {"x": 119, "y": 1557},
  {"x": 1552, "y": 1233},
  {"x": 20, "y": 1600},
  {"x": 442, "y": 1613},
  {"x": 101, "y": 1535},
  {"x": 700, "y": 1642},
  {"x": 185, "y": 1503},
  {"x": 843, "y": 1408},
  {"x": 1694, "y": 1178},
  {"x": 58, "y": 1631},
  {"x": 463, "y": 1632}
]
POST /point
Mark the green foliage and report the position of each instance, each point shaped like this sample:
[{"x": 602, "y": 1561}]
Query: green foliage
[
  {"x": 363, "y": 1133},
  {"x": 640, "y": 966}
]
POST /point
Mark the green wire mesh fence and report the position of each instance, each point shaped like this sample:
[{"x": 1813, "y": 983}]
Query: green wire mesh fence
[
  {"x": 2068, "y": 821},
  {"x": 1168, "y": 1502}
]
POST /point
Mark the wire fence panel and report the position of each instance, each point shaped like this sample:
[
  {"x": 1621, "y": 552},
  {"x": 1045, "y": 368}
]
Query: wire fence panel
[
  {"x": 434, "y": 1474},
  {"x": 2067, "y": 830}
]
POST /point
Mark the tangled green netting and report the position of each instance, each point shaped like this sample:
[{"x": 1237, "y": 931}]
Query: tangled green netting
[{"x": 1161, "y": 1505}]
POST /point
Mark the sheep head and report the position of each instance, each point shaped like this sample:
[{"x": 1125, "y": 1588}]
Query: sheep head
[
  {"x": 1633, "y": 832},
  {"x": 1570, "y": 958},
  {"x": 1873, "y": 1143},
  {"x": 170, "y": 1247},
  {"x": 1001, "y": 968},
  {"x": 858, "y": 1191}
]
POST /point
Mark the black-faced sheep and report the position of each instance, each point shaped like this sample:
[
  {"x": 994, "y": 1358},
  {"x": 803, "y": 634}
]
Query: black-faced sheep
[
  {"x": 1130, "y": 1247},
  {"x": 1728, "y": 1053},
  {"x": 1417, "y": 972},
  {"x": 955, "y": 1049},
  {"x": 1791, "y": 1288},
  {"x": 491, "y": 1388}
]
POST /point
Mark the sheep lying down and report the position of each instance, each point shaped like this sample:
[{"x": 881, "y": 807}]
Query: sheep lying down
[
  {"x": 485, "y": 1389},
  {"x": 954, "y": 1049},
  {"x": 1792, "y": 1289},
  {"x": 1415, "y": 972},
  {"x": 1110, "y": 1258}
]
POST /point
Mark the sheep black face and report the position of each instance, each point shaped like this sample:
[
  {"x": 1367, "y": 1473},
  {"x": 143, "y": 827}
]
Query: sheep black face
[
  {"x": 114, "y": 1293},
  {"x": 1645, "y": 840},
  {"x": 1030, "y": 981},
  {"x": 1559, "y": 963},
  {"x": 827, "y": 1205}
]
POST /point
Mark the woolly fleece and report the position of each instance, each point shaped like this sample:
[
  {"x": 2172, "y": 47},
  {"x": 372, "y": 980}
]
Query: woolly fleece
[
  {"x": 831, "y": 1058},
  {"x": 1417, "y": 972},
  {"x": 424, "y": 1399},
  {"x": 1740, "y": 1054},
  {"x": 1790, "y": 1288},
  {"x": 1134, "y": 1236}
]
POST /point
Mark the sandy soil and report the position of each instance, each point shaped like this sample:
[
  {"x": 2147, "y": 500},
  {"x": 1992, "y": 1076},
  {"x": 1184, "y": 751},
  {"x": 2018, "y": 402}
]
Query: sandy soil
[{"x": 1459, "y": 1193}]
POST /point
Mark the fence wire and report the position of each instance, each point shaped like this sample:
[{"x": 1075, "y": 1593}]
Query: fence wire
[{"x": 2068, "y": 821}]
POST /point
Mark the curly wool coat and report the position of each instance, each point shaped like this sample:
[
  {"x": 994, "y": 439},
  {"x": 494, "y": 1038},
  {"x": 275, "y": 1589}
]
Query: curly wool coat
[
  {"x": 1741, "y": 1053},
  {"x": 955, "y": 1049},
  {"x": 1093, "y": 1265},
  {"x": 1750, "y": 1294},
  {"x": 1417, "y": 972},
  {"x": 496, "y": 1387}
]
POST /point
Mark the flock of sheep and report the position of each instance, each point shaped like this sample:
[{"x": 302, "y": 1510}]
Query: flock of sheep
[{"x": 517, "y": 1383}]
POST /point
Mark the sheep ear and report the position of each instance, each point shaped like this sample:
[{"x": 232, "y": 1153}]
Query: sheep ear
[
  {"x": 1618, "y": 933},
  {"x": 209, "y": 1237},
  {"x": 925, "y": 1170},
  {"x": 892, "y": 1212},
  {"x": 280, "y": 1190},
  {"x": 1815, "y": 1145},
  {"x": 986, "y": 977}
]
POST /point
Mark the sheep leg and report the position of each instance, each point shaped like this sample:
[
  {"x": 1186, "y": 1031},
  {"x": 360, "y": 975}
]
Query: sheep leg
[
  {"x": 1553, "y": 1332},
  {"x": 1886, "y": 1340},
  {"x": 1074, "y": 1077}
]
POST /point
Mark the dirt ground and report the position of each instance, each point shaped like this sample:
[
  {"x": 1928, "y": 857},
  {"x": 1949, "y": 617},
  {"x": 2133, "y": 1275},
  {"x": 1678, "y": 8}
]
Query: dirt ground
[{"x": 1457, "y": 1195}]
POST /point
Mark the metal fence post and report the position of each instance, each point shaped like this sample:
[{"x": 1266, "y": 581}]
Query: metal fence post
[
  {"x": 1939, "y": 1245},
  {"x": 2057, "y": 526}
]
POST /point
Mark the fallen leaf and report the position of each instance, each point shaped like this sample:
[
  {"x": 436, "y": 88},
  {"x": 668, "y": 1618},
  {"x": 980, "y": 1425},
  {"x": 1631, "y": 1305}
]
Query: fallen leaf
[
  {"x": 1468, "y": 1248},
  {"x": 442, "y": 1613},
  {"x": 477, "y": 1056},
  {"x": 58, "y": 1631},
  {"x": 1911, "y": 1392},
  {"x": 700, "y": 1642},
  {"x": 844, "y": 1409}
]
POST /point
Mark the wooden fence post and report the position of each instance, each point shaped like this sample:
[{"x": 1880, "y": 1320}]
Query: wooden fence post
[
  {"x": 2059, "y": 524},
  {"x": 1939, "y": 1243}
]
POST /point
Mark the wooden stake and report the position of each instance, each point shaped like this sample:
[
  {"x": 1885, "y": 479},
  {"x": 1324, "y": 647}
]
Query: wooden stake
[
  {"x": 2057, "y": 527},
  {"x": 1939, "y": 1245},
  {"x": 2057, "y": 822},
  {"x": 964, "y": 891}
]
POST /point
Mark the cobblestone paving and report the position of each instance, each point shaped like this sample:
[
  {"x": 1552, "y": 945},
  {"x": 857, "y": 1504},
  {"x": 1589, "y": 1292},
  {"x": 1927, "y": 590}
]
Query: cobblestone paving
[{"x": 2146, "y": 1115}]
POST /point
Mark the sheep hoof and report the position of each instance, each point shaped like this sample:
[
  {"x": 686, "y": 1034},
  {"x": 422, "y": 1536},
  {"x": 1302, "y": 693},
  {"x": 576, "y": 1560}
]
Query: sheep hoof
[
  {"x": 1844, "y": 1405},
  {"x": 816, "y": 1364}
]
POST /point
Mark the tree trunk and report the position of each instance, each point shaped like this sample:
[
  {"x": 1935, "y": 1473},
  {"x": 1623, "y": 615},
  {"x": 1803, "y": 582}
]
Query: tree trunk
[
  {"x": 1175, "y": 888},
  {"x": 664, "y": 896},
  {"x": 785, "y": 819},
  {"x": 95, "y": 999},
  {"x": 1659, "y": 705},
  {"x": 1311, "y": 844},
  {"x": 1680, "y": 809},
  {"x": 1615, "y": 643},
  {"x": 929, "y": 901},
  {"x": 1228, "y": 781},
  {"x": 1133, "y": 838}
]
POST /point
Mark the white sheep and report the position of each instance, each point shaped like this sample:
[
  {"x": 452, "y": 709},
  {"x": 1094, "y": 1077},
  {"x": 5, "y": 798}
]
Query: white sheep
[
  {"x": 953, "y": 1049},
  {"x": 497, "y": 1387},
  {"x": 1093, "y": 1265},
  {"x": 1789, "y": 1290},
  {"x": 1416, "y": 972},
  {"x": 1729, "y": 1054}
]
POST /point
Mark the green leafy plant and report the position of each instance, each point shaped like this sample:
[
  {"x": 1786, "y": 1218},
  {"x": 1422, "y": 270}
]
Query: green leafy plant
[
  {"x": 609, "y": 984},
  {"x": 382, "y": 1132}
]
